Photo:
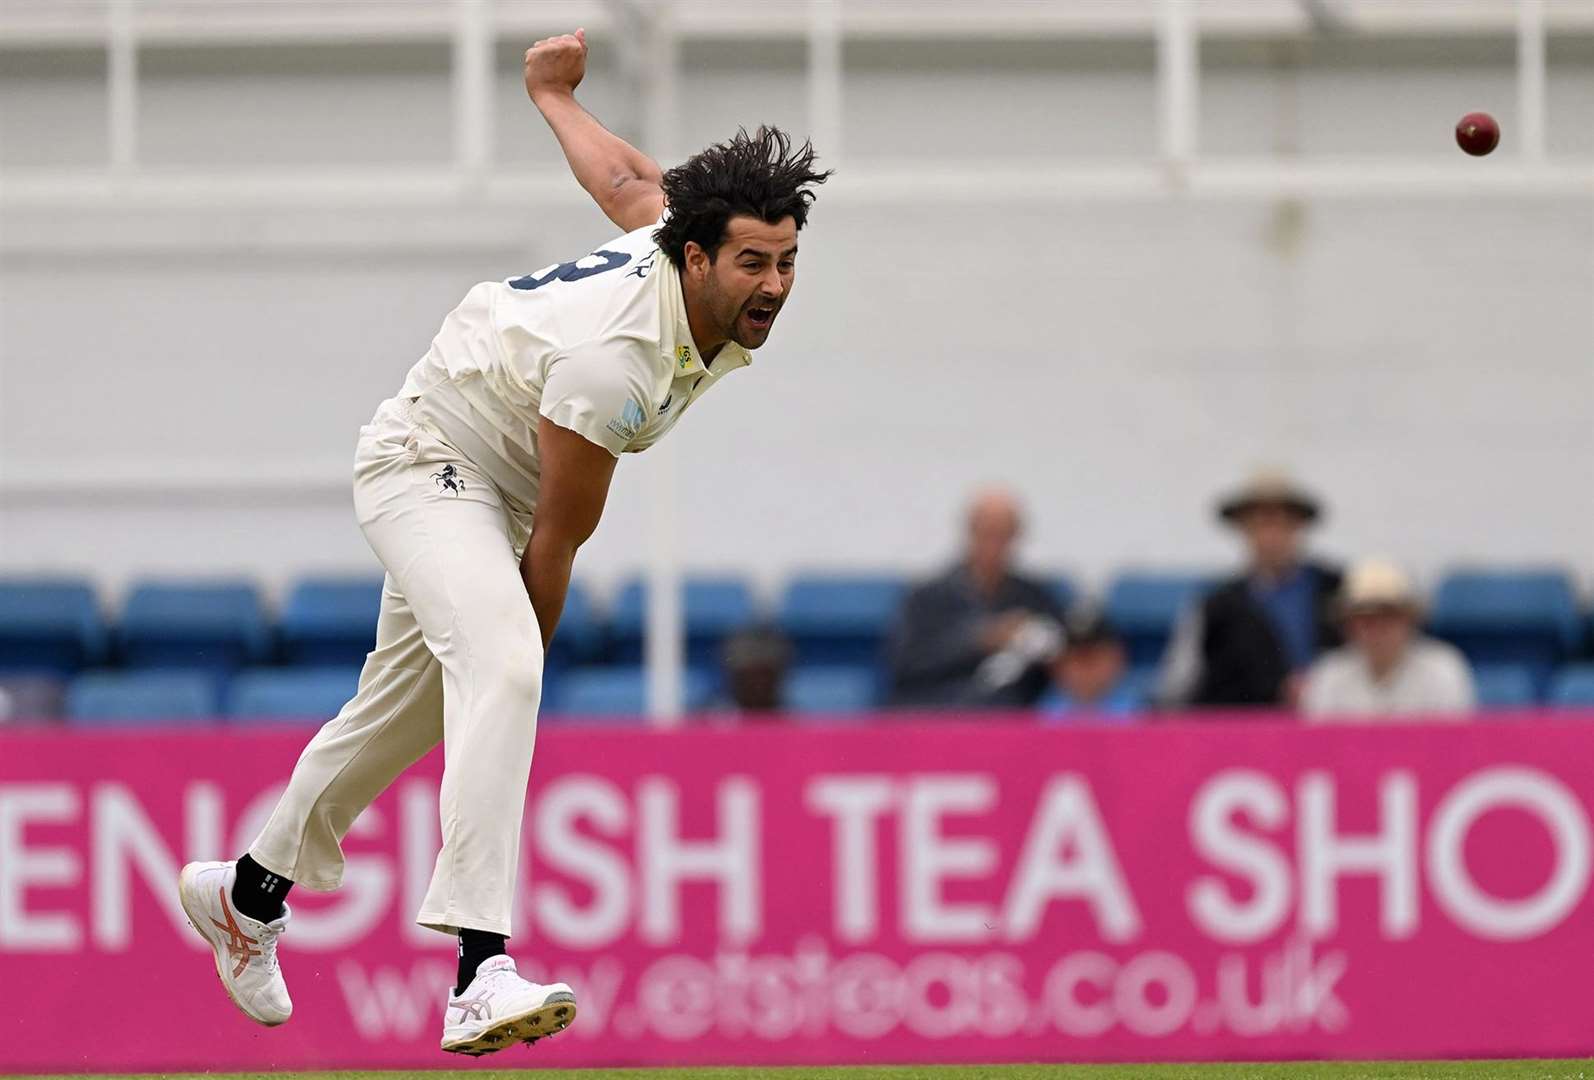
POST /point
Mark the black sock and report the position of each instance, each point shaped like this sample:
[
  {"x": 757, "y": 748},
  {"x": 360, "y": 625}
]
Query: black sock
[
  {"x": 257, "y": 892},
  {"x": 474, "y": 947}
]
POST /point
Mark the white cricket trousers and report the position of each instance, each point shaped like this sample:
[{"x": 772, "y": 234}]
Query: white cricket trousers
[{"x": 458, "y": 659}]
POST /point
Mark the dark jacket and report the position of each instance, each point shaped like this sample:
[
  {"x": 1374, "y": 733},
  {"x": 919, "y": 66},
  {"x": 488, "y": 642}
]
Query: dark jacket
[
  {"x": 935, "y": 647},
  {"x": 1242, "y": 660}
]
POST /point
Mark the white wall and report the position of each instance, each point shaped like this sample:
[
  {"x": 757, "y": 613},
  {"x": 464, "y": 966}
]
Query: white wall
[{"x": 1426, "y": 362}]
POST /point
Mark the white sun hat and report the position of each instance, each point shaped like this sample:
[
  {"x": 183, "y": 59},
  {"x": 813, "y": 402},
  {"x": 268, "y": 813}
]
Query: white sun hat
[{"x": 1378, "y": 584}]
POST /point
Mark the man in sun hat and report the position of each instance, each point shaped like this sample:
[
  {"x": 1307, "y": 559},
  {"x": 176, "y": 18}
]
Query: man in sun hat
[
  {"x": 1387, "y": 668},
  {"x": 1252, "y": 638}
]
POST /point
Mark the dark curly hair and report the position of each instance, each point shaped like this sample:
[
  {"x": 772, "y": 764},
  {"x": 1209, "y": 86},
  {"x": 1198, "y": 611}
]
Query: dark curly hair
[{"x": 758, "y": 175}]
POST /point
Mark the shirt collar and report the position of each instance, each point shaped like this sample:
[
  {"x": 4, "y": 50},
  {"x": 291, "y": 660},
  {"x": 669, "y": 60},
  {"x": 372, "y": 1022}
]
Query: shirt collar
[{"x": 679, "y": 348}]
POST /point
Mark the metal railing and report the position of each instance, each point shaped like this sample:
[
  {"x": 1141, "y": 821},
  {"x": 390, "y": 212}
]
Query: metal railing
[{"x": 474, "y": 28}]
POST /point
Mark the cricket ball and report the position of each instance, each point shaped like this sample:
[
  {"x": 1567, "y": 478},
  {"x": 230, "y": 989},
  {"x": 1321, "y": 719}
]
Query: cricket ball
[{"x": 1477, "y": 133}]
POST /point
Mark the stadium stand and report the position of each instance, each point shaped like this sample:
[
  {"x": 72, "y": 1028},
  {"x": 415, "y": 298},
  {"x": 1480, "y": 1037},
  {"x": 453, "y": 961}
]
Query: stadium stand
[
  {"x": 713, "y": 607},
  {"x": 582, "y": 635},
  {"x": 840, "y": 619},
  {"x": 1144, "y": 606},
  {"x": 50, "y": 625},
  {"x": 1522, "y": 631},
  {"x": 619, "y": 693},
  {"x": 306, "y": 694},
  {"x": 1063, "y": 589},
  {"x": 133, "y": 698},
  {"x": 1527, "y": 617},
  {"x": 1505, "y": 686},
  {"x": 1573, "y": 687},
  {"x": 215, "y": 625},
  {"x": 832, "y": 688},
  {"x": 330, "y": 620}
]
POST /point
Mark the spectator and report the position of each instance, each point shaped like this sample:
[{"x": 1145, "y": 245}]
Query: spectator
[
  {"x": 1252, "y": 639},
  {"x": 980, "y": 634},
  {"x": 1088, "y": 675},
  {"x": 756, "y": 661},
  {"x": 1388, "y": 668}
]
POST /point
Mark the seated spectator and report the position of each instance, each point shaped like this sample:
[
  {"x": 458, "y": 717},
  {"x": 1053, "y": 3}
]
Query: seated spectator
[
  {"x": 1088, "y": 675},
  {"x": 1251, "y": 640},
  {"x": 756, "y": 661},
  {"x": 1388, "y": 668},
  {"x": 980, "y": 634}
]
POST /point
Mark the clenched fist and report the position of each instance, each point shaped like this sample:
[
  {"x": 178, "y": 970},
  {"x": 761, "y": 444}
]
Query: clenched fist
[{"x": 556, "y": 64}]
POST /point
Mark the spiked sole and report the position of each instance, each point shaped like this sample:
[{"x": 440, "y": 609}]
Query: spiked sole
[
  {"x": 551, "y": 1017},
  {"x": 196, "y": 919}
]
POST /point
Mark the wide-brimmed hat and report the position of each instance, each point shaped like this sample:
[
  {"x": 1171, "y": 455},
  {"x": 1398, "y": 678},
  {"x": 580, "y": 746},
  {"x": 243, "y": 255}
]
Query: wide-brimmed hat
[
  {"x": 1270, "y": 489},
  {"x": 1378, "y": 585}
]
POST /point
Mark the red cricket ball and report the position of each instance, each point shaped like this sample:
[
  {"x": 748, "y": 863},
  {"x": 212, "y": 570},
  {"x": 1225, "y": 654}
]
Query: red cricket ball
[{"x": 1477, "y": 133}]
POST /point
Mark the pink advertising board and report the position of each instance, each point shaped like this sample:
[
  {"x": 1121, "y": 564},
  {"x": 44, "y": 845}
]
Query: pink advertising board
[{"x": 979, "y": 891}]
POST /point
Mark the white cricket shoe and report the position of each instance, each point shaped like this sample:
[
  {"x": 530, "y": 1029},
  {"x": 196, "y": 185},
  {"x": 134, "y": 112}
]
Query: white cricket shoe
[
  {"x": 245, "y": 948},
  {"x": 500, "y": 1009}
]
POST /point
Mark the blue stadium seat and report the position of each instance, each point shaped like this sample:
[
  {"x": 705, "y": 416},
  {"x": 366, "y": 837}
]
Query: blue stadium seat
[
  {"x": 580, "y": 636},
  {"x": 1573, "y": 687},
  {"x": 840, "y": 618},
  {"x": 1505, "y": 686},
  {"x": 620, "y": 692},
  {"x": 215, "y": 625},
  {"x": 1145, "y": 607},
  {"x": 1062, "y": 589},
  {"x": 713, "y": 606},
  {"x": 1509, "y": 617},
  {"x": 832, "y": 688},
  {"x": 304, "y": 693},
  {"x": 132, "y": 698},
  {"x": 330, "y": 620},
  {"x": 49, "y": 625}
]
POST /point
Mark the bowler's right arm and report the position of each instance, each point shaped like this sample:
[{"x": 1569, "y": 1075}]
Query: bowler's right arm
[{"x": 623, "y": 181}]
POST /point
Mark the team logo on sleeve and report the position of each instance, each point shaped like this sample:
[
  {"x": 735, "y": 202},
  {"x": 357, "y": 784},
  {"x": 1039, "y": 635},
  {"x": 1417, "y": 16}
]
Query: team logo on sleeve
[{"x": 629, "y": 422}]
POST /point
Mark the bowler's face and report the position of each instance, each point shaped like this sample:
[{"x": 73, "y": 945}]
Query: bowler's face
[{"x": 751, "y": 277}]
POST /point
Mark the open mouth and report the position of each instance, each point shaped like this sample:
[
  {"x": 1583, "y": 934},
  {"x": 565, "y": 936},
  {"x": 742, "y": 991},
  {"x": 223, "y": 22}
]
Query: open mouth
[{"x": 761, "y": 317}]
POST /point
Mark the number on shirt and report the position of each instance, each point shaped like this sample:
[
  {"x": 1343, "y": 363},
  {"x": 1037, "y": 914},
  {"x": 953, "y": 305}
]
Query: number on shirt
[{"x": 573, "y": 271}]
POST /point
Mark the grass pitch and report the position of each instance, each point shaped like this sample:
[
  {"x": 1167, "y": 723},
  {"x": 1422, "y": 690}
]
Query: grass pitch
[{"x": 1303, "y": 1070}]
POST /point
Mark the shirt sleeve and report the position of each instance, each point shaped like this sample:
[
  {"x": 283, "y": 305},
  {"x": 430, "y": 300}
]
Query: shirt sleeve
[{"x": 602, "y": 396}]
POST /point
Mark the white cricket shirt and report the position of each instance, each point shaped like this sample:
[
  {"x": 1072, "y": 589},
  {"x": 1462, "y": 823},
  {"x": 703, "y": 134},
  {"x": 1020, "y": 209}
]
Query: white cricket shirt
[
  {"x": 600, "y": 346},
  {"x": 1432, "y": 679}
]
